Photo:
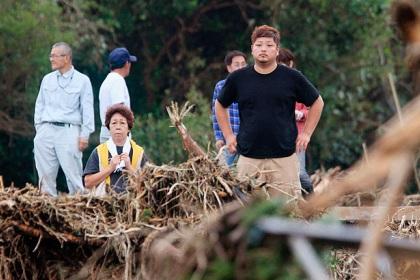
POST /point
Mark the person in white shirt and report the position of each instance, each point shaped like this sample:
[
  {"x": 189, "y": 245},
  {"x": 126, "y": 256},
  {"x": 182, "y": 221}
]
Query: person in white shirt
[{"x": 114, "y": 89}]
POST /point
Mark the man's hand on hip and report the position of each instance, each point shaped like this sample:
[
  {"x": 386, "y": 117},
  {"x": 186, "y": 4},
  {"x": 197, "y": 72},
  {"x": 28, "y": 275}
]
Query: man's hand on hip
[
  {"x": 83, "y": 143},
  {"x": 302, "y": 142}
]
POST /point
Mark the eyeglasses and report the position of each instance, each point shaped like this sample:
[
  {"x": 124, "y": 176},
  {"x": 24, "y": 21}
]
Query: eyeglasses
[{"x": 57, "y": 55}]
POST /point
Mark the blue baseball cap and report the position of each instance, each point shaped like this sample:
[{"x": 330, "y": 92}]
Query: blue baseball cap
[{"x": 119, "y": 56}]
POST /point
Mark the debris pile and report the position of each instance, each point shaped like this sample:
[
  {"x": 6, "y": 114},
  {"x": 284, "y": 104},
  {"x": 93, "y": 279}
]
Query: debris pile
[{"x": 44, "y": 238}]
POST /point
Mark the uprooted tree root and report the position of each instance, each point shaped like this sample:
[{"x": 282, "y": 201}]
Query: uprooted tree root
[{"x": 88, "y": 237}]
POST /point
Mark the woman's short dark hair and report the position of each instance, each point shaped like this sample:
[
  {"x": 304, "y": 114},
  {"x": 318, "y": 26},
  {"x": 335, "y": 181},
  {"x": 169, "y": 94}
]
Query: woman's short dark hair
[{"x": 122, "y": 110}]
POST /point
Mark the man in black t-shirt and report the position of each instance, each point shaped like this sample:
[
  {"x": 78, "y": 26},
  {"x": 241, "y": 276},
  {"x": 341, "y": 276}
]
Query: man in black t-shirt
[{"x": 266, "y": 94}]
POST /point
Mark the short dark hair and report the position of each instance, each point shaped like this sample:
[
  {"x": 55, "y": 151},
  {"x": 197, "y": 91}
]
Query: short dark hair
[
  {"x": 113, "y": 67},
  {"x": 286, "y": 56},
  {"x": 231, "y": 54},
  {"x": 265, "y": 31},
  {"x": 120, "y": 109}
]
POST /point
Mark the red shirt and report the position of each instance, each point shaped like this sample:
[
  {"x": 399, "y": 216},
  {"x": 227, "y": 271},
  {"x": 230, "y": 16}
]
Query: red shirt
[{"x": 301, "y": 123}]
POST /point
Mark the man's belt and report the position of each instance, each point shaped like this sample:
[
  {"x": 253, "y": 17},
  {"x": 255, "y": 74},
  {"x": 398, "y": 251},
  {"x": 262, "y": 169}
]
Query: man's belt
[{"x": 60, "y": 124}]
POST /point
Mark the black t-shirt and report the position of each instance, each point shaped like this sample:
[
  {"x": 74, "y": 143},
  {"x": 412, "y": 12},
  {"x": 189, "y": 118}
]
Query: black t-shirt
[
  {"x": 267, "y": 109},
  {"x": 118, "y": 181}
]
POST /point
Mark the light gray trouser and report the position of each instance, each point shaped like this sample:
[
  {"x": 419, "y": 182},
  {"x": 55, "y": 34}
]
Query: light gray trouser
[{"x": 56, "y": 146}]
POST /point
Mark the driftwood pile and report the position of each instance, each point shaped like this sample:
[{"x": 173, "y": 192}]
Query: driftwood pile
[
  {"x": 188, "y": 191},
  {"x": 76, "y": 236},
  {"x": 46, "y": 238}
]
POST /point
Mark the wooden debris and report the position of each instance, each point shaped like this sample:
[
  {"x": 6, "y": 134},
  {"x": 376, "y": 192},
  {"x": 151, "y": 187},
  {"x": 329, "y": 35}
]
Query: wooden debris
[
  {"x": 176, "y": 117},
  {"x": 406, "y": 213},
  {"x": 108, "y": 232},
  {"x": 322, "y": 178}
]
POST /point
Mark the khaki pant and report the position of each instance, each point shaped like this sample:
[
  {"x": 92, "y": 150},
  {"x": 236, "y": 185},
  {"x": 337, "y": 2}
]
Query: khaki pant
[{"x": 281, "y": 174}]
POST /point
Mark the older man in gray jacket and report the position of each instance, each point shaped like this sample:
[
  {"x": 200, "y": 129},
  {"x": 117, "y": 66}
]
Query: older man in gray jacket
[{"x": 64, "y": 119}]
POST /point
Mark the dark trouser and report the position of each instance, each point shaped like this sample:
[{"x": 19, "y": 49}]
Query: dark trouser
[{"x": 305, "y": 180}]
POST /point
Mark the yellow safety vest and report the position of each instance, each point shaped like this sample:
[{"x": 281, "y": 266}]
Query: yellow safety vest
[{"x": 104, "y": 160}]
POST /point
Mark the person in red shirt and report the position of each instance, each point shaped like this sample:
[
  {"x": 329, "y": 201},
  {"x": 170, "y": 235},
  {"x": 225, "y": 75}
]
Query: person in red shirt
[{"x": 287, "y": 58}]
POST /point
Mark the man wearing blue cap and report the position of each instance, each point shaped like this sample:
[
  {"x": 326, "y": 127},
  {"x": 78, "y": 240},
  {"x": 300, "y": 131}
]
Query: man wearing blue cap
[{"x": 114, "y": 89}]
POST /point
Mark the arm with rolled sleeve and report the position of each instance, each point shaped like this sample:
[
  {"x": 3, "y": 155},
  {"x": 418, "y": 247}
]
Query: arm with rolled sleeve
[
  {"x": 224, "y": 100},
  {"x": 39, "y": 106},
  {"x": 86, "y": 106}
]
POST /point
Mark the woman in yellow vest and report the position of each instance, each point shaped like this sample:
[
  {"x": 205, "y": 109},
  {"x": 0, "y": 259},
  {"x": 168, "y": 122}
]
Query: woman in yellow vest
[{"x": 111, "y": 160}]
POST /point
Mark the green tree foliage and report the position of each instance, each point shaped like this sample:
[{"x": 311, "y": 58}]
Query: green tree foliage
[
  {"x": 178, "y": 42},
  {"x": 24, "y": 50}
]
